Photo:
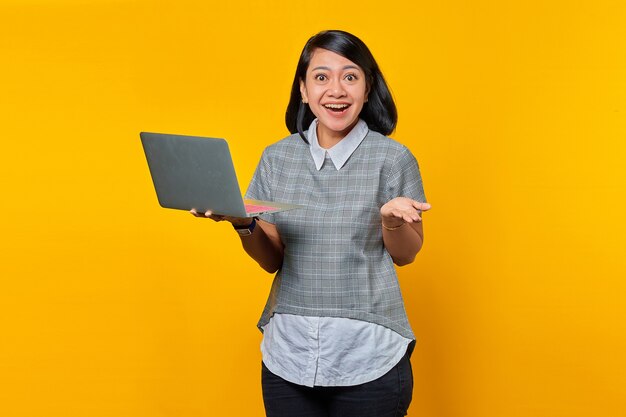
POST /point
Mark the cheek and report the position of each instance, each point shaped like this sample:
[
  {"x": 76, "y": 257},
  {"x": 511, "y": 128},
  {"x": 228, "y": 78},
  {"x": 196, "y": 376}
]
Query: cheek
[
  {"x": 314, "y": 93},
  {"x": 362, "y": 92},
  {"x": 314, "y": 100}
]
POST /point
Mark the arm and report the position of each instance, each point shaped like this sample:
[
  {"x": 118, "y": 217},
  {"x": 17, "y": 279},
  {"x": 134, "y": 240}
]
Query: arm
[
  {"x": 403, "y": 233},
  {"x": 263, "y": 245}
]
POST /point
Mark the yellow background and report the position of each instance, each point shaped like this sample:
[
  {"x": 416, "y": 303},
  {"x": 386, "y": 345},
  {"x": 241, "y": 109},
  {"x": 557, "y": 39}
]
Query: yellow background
[{"x": 112, "y": 306}]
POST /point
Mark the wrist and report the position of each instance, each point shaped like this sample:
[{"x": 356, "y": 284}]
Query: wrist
[
  {"x": 393, "y": 224},
  {"x": 245, "y": 229},
  {"x": 242, "y": 225}
]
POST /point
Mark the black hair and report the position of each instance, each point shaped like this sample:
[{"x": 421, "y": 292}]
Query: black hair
[{"x": 379, "y": 112}]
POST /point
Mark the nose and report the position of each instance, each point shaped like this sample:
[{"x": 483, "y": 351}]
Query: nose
[{"x": 335, "y": 89}]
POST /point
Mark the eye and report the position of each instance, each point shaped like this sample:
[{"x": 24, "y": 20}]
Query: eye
[
  {"x": 320, "y": 77},
  {"x": 351, "y": 77}
]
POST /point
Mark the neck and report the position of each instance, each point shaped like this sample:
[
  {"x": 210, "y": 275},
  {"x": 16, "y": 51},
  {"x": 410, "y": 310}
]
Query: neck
[{"x": 328, "y": 138}]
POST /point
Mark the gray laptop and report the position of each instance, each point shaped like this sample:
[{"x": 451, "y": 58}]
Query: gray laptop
[{"x": 196, "y": 172}]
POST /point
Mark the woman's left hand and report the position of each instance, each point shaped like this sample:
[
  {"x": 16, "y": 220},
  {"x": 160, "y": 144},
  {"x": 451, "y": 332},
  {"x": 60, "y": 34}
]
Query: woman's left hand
[{"x": 402, "y": 210}]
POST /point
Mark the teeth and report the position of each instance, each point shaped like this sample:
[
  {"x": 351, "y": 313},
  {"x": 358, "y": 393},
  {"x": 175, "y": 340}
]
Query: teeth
[{"x": 335, "y": 106}]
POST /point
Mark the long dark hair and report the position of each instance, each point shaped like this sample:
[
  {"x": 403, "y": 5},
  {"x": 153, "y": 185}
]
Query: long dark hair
[{"x": 379, "y": 112}]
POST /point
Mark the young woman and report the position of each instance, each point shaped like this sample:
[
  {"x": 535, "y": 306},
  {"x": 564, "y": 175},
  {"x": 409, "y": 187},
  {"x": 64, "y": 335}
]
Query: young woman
[{"x": 336, "y": 338}]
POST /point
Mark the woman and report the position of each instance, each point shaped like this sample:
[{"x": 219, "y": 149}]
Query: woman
[{"x": 336, "y": 339}]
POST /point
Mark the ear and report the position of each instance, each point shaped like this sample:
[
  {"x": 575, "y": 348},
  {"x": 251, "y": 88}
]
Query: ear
[{"x": 305, "y": 97}]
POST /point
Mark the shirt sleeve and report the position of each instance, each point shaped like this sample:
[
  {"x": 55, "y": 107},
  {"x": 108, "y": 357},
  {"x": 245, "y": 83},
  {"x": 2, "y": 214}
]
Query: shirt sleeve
[
  {"x": 260, "y": 187},
  {"x": 404, "y": 179}
]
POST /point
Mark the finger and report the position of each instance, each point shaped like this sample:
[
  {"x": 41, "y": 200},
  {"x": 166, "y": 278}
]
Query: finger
[
  {"x": 410, "y": 218},
  {"x": 391, "y": 216},
  {"x": 415, "y": 216},
  {"x": 215, "y": 217},
  {"x": 410, "y": 215},
  {"x": 421, "y": 206},
  {"x": 194, "y": 212},
  {"x": 403, "y": 215}
]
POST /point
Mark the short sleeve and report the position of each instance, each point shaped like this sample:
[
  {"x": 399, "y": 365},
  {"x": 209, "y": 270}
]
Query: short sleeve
[
  {"x": 404, "y": 179},
  {"x": 260, "y": 187}
]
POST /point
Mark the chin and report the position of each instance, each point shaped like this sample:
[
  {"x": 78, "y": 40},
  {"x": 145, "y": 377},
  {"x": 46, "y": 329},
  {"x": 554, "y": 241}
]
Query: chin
[{"x": 339, "y": 126}]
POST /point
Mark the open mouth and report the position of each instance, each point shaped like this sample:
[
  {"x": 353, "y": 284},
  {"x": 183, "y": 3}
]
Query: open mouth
[{"x": 336, "y": 107}]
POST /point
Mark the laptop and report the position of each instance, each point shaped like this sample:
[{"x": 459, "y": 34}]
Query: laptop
[{"x": 197, "y": 172}]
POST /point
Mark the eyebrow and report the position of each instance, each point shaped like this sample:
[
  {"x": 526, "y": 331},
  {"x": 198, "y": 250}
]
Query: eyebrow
[{"x": 329, "y": 69}]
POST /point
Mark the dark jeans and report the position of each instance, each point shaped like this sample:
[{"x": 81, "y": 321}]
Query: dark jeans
[{"x": 387, "y": 396}]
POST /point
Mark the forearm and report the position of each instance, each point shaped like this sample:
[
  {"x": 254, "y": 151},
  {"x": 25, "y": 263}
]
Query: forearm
[
  {"x": 403, "y": 243},
  {"x": 267, "y": 253}
]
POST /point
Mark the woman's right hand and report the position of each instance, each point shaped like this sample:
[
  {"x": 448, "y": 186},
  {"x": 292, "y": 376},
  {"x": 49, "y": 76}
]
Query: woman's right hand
[{"x": 236, "y": 221}]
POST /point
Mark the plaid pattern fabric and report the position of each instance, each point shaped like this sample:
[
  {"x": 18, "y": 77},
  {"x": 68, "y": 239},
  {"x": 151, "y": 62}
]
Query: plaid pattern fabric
[{"x": 335, "y": 263}]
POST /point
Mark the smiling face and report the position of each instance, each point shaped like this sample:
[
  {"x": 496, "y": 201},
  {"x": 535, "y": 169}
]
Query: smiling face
[{"x": 335, "y": 90}]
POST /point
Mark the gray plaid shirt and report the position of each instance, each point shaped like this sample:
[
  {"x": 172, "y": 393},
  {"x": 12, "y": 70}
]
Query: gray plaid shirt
[{"x": 335, "y": 263}]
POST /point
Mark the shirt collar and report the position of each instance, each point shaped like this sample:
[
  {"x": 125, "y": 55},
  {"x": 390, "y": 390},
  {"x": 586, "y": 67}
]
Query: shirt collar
[{"x": 341, "y": 152}]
